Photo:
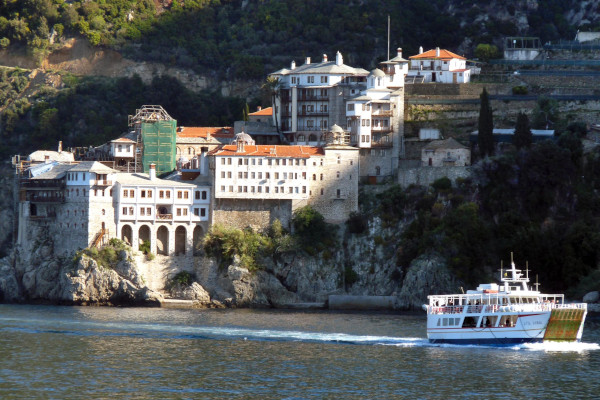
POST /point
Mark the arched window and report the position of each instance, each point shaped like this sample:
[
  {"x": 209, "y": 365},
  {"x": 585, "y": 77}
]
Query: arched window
[
  {"x": 312, "y": 138},
  {"x": 377, "y": 170},
  {"x": 301, "y": 138}
]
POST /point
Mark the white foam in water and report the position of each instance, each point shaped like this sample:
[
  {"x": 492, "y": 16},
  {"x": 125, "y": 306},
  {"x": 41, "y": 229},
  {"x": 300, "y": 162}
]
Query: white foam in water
[{"x": 560, "y": 346}]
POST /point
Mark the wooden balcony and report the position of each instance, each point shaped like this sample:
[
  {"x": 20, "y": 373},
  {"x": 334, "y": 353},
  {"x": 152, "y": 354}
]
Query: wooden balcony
[
  {"x": 164, "y": 217},
  {"x": 102, "y": 182}
]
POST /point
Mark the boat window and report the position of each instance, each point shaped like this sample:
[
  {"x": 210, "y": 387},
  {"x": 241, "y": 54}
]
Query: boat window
[
  {"x": 445, "y": 322},
  {"x": 439, "y": 321},
  {"x": 488, "y": 321},
  {"x": 470, "y": 322}
]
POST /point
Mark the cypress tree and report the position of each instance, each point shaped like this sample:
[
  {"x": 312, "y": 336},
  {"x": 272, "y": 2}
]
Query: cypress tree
[
  {"x": 485, "y": 137},
  {"x": 523, "y": 136}
]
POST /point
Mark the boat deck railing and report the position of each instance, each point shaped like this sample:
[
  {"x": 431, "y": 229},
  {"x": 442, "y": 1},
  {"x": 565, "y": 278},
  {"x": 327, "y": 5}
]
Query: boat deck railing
[{"x": 495, "y": 308}]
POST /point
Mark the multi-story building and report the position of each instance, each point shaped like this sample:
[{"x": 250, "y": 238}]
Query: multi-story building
[
  {"x": 439, "y": 65},
  {"x": 84, "y": 204},
  {"x": 315, "y": 96},
  {"x": 171, "y": 215},
  {"x": 255, "y": 184}
]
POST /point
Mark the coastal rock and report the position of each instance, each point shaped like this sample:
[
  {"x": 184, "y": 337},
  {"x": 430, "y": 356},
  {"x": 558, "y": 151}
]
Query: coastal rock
[
  {"x": 427, "y": 274},
  {"x": 591, "y": 297},
  {"x": 191, "y": 292},
  {"x": 9, "y": 287}
]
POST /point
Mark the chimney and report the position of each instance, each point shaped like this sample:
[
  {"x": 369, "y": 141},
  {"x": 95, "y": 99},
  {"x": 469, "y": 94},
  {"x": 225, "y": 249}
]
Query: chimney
[
  {"x": 324, "y": 57},
  {"x": 258, "y": 108},
  {"x": 420, "y": 49},
  {"x": 399, "y": 52},
  {"x": 339, "y": 60},
  {"x": 152, "y": 171},
  {"x": 307, "y": 60},
  {"x": 240, "y": 146},
  {"x": 293, "y": 66},
  {"x": 437, "y": 51},
  {"x": 60, "y": 146}
]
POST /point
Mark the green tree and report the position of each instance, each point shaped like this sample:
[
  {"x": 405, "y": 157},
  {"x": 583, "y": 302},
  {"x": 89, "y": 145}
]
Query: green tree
[
  {"x": 486, "y": 52},
  {"x": 545, "y": 114},
  {"x": 485, "y": 136},
  {"x": 523, "y": 136}
]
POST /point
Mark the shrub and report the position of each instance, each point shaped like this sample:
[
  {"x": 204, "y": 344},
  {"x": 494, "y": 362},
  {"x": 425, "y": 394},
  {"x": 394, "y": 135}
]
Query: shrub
[
  {"x": 310, "y": 227},
  {"x": 350, "y": 275},
  {"x": 443, "y": 184},
  {"x": 520, "y": 90},
  {"x": 357, "y": 223},
  {"x": 225, "y": 242},
  {"x": 145, "y": 247}
]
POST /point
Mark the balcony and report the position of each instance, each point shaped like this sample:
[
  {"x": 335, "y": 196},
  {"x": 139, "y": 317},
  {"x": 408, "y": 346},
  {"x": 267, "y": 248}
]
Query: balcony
[
  {"x": 314, "y": 97},
  {"x": 304, "y": 113},
  {"x": 102, "y": 182},
  {"x": 45, "y": 198},
  {"x": 164, "y": 217},
  {"x": 383, "y": 113},
  {"x": 43, "y": 184}
]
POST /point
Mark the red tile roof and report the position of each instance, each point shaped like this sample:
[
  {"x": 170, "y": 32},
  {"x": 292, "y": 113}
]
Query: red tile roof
[
  {"x": 265, "y": 111},
  {"x": 444, "y": 55},
  {"x": 123, "y": 140},
  {"x": 202, "y": 131},
  {"x": 269, "y": 151}
]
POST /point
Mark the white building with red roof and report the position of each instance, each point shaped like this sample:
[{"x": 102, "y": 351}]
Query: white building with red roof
[
  {"x": 255, "y": 184},
  {"x": 438, "y": 65}
]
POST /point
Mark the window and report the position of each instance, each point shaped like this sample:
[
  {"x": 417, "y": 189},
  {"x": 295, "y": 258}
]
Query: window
[
  {"x": 321, "y": 177},
  {"x": 148, "y": 211},
  {"x": 179, "y": 194},
  {"x": 131, "y": 194},
  {"x": 222, "y": 161},
  {"x": 185, "y": 212},
  {"x": 149, "y": 194},
  {"x": 310, "y": 79},
  {"x": 322, "y": 192},
  {"x": 179, "y": 212},
  {"x": 267, "y": 175},
  {"x": 142, "y": 211},
  {"x": 223, "y": 174},
  {"x": 314, "y": 177},
  {"x": 245, "y": 175},
  {"x": 260, "y": 175},
  {"x": 229, "y": 161},
  {"x": 222, "y": 188},
  {"x": 125, "y": 193},
  {"x": 168, "y": 193},
  {"x": 324, "y": 79},
  {"x": 229, "y": 174},
  {"x": 240, "y": 162},
  {"x": 124, "y": 211},
  {"x": 203, "y": 212},
  {"x": 252, "y": 175},
  {"x": 337, "y": 174},
  {"x": 259, "y": 189},
  {"x": 161, "y": 194},
  {"x": 293, "y": 80},
  {"x": 339, "y": 193},
  {"x": 204, "y": 195},
  {"x": 350, "y": 106},
  {"x": 339, "y": 159},
  {"x": 310, "y": 123},
  {"x": 143, "y": 194},
  {"x": 130, "y": 210},
  {"x": 196, "y": 212},
  {"x": 304, "y": 189},
  {"x": 285, "y": 175},
  {"x": 186, "y": 195},
  {"x": 276, "y": 175},
  {"x": 267, "y": 189},
  {"x": 240, "y": 175}
]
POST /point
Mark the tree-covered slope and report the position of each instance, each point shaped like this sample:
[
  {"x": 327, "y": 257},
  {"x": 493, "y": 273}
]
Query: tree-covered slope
[{"x": 249, "y": 38}]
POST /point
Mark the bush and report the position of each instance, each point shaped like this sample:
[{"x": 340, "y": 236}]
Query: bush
[
  {"x": 520, "y": 90},
  {"x": 224, "y": 243},
  {"x": 443, "y": 184},
  {"x": 145, "y": 247},
  {"x": 357, "y": 223},
  {"x": 310, "y": 227}
]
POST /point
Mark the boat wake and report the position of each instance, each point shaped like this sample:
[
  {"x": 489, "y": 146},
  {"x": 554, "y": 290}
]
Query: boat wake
[{"x": 183, "y": 332}]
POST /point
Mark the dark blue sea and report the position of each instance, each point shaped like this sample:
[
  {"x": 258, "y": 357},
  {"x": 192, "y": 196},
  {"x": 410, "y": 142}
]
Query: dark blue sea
[{"x": 51, "y": 352}]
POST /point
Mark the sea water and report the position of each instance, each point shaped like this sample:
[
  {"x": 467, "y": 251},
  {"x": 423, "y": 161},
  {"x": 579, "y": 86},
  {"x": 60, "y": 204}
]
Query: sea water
[{"x": 50, "y": 352}]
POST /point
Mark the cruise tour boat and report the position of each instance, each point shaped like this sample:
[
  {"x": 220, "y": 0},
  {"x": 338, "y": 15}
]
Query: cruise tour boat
[{"x": 504, "y": 314}]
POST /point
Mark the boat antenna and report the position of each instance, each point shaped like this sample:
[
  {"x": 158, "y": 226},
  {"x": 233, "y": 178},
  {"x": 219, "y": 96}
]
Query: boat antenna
[
  {"x": 501, "y": 265},
  {"x": 537, "y": 285}
]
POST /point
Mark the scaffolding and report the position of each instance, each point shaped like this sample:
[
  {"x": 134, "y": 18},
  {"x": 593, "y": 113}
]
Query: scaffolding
[{"x": 156, "y": 134}]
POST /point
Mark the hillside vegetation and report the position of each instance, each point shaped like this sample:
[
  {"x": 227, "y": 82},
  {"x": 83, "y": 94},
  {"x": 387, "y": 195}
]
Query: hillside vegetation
[{"x": 247, "y": 39}]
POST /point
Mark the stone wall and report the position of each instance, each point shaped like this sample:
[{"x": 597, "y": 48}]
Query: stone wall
[
  {"x": 241, "y": 213},
  {"x": 425, "y": 176}
]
